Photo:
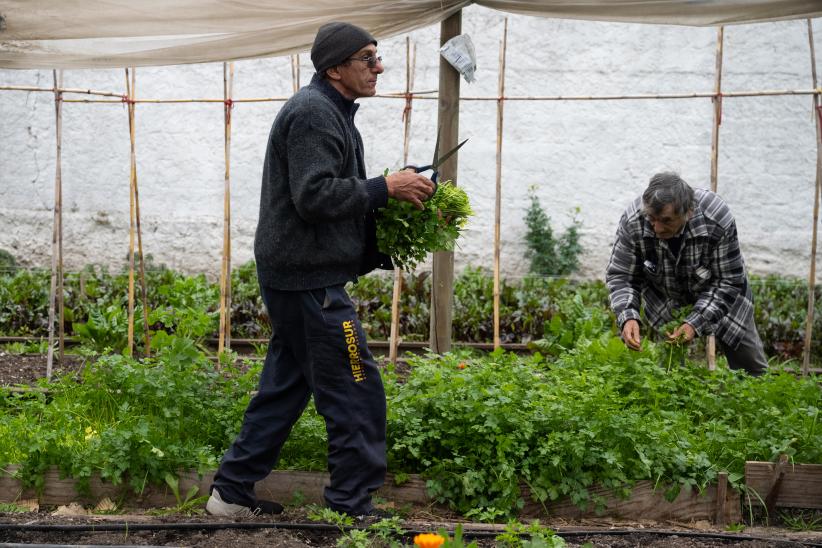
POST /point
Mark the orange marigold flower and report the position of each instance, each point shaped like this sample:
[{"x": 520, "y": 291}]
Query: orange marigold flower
[
  {"x": 428, "y": 540},
  {"x": 461, "y": 365}
]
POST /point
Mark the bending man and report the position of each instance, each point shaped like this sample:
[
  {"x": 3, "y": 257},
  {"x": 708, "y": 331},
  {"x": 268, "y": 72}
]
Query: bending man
[{"x": 676, "y": 246}]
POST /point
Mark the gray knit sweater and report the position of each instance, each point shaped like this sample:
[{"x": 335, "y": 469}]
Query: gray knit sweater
[{"x": 316, "y": 226}]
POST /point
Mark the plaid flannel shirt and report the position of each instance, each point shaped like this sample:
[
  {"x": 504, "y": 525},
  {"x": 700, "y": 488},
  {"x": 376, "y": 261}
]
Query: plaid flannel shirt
[{"x": 709, "y": 272}]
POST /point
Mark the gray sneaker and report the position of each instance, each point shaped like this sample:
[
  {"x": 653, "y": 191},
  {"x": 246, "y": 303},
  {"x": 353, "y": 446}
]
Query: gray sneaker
[{"x": 216, "y": 506}]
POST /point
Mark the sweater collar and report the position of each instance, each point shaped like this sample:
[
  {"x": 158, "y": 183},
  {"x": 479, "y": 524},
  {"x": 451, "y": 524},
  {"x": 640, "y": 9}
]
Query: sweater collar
[{"x": 346, "y": 106}]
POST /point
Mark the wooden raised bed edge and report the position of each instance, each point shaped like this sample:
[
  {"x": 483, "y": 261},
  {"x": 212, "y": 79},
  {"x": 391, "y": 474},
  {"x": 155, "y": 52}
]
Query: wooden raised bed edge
[
  {"x": 783, "y": 484},
  {"x": 644, "y": 503}
]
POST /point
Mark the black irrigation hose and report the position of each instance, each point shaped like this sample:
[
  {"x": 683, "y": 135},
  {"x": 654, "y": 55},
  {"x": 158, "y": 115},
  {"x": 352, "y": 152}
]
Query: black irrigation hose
[
  {"x": 326, "y": 527},
  {"x": 689, "y": 534},
  {"x": 27, "y": 545}
]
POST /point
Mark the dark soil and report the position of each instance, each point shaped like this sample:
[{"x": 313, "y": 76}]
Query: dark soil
[
  {"x": 17, "y": 370},
  {"x": 25, "y": 369},
  {"x": 295, "y": 530}
]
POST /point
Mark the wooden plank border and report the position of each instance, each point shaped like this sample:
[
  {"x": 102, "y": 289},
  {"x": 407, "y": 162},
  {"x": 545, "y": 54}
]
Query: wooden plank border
[
  {"x": 784, "y": 484},
  {"x": 648, "y": 503},
  {"x": 644, "y": 503}
]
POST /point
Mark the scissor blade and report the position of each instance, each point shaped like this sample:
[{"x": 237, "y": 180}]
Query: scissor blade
[
  {"x": 436, "y": 149},
  {"x": 448, "y": 154}
]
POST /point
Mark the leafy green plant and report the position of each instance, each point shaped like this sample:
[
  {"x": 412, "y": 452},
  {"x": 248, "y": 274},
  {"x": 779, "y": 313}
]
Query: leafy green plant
[
  {"x": 327, "y": 515},
  {"x": 677, "y": 347},
  {"x": 780, "y": 312},
  {"x": 24, "y": 302},
  {"x": 802, "y": 519},
  {"x": 188, "y": 306},
  {"x": 550, "y": 255},
  {"x": 533, "y": 535},
  {"x": 188, "y": 505},
  {"x": 105, "y": 330},
  {"x": 457, "y": 541},
  {"x": 248, "y": 315},
  {"x": 7, "y": 263},
  {"x": 34, "y": 347},
  {"x": 127, "y": 420},
  {"x": 597, "y": 414},
  {"x": 12, "y": 508},
  {"x": 572, "y": 321},
  {"x": 381, "y": 533},
  {"x": 408, "y": 234}
]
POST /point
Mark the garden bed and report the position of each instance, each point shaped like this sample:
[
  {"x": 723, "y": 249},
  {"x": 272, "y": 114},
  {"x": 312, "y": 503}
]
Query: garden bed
[{"x": 497, "y": 436}]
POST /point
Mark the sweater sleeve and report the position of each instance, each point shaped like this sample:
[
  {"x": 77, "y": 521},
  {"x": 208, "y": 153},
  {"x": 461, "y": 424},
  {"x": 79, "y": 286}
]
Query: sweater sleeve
[
  {"x": 624, "y": 275},
  {"x": 377, "y": 192}
]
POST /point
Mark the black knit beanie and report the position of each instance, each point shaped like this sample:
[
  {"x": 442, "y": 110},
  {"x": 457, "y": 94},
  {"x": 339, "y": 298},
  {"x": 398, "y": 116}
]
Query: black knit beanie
[{"x": 335, "y": 42}]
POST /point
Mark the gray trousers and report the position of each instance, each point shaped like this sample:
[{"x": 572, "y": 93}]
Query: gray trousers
[{"x": 749, "y": 355}]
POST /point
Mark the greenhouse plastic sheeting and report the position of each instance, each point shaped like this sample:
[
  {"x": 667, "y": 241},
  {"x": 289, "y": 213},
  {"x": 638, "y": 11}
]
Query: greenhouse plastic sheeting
[{"x": 120, "y": 33}]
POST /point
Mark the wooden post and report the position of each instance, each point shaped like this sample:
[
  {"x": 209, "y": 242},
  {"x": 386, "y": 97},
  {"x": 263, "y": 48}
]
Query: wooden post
[
  {"x": 717, "y": 100},
  {"x": 410, "y": 62},
  {"x": 776, "y": 484},
  {"x": 442, "y": 280},
  {"x": 721, "y": 516},
  {"x": 56, "y": 290},
  {"x": 806, "y": 352},
  {"x": 225, "y": 270},
  {"x": 498, "y": 198}
]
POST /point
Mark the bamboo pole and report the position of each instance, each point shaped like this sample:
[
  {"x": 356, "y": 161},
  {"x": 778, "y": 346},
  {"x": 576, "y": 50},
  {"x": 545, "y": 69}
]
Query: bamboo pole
[
  {"x": 131, "y": 227},
  {"x": 430, "y": 95},
  {"x": 56, "y": 290},
  {"x": 410, "y": 64},
  {"x": 498, "y": 199},
  {"x": 694, "y": 95},
  {"x": 140, "y": 254},
  {"x": 62, "y": 90},
  {"x": 295, "y": 72},
  {"x": 225, "y": 271},
  {"x": 806, "y": 351},
  {"x": 442, "y": 279},
  {"x": 717, "y": 101},
  {"x": 188, "y": 101}
]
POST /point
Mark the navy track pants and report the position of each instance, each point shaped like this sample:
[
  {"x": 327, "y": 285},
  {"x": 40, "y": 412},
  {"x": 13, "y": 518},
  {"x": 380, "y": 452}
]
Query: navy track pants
[{"x": 317, "y": 347}]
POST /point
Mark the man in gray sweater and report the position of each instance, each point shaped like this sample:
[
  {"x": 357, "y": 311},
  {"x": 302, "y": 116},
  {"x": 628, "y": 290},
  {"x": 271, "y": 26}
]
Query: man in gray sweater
[{"x": 316, "y": 231}]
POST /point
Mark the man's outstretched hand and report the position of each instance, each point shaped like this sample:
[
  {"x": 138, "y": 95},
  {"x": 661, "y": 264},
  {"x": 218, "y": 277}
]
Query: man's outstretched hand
[
  {"x": 630, "y": 335},
  {"x": 684, "y": 333}
]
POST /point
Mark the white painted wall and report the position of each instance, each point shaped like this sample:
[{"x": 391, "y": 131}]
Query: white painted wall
[{"x": 593, "y": 155}]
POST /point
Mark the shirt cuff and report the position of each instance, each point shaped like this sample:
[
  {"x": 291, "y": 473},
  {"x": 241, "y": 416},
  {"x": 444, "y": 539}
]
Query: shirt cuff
[
  {"x": 625, "y": 315},
  {"x": 698, "y": 322},
  {"x": 377, "y": 190}
]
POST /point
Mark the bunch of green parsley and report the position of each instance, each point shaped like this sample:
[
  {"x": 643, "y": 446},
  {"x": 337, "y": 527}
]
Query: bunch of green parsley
[{"x": 408, "y": 234}]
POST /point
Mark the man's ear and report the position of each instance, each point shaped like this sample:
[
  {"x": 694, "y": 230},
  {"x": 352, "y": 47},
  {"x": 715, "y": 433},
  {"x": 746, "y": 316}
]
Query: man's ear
[{"x": 333, "y": 73}]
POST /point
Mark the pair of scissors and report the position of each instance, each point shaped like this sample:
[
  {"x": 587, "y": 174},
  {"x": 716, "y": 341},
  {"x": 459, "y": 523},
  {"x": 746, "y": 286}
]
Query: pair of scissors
[{"x": 436, "y": 162}]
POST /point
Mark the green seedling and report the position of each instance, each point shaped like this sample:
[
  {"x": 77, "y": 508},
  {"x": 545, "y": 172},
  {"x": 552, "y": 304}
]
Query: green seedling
[{"x": 189, "y": 505}]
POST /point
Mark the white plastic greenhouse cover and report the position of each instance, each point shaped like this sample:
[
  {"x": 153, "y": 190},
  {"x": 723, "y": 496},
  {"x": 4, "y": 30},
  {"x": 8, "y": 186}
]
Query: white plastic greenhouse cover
[{"x": 121, "y": 33}]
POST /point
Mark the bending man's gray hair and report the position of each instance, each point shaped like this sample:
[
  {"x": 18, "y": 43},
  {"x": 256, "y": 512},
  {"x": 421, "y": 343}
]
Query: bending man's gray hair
[{"x": 668, "y": 188}]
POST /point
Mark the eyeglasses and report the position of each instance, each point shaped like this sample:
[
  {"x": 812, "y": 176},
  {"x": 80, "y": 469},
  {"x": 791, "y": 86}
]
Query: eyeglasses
[{"x": 369, "y": 60}]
